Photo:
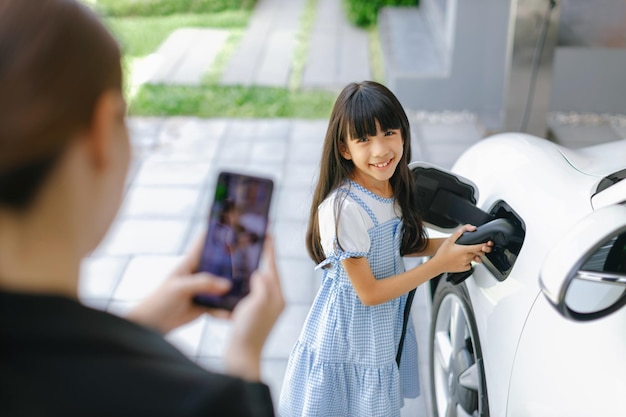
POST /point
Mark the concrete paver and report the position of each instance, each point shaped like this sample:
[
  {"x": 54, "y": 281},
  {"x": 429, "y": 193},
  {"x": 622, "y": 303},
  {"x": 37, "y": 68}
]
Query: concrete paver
[
  {"x": 338, "y": 52},
  {"x": 264, "y": 56},
  {"x": 185, "y": 56},
  {"x": 576, "y": 136},
  {"x": 409, "y": 47}
]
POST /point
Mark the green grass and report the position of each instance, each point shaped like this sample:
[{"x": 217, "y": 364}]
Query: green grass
[
  {"x": 214, "y": 73},
  {"x": 140, "y": 36},
  {"x": 167, "y": 7},
  {"x": 376, "y": 55},
  {"x": 224, "y": 101},
  {"x": 302, "y": 43}
]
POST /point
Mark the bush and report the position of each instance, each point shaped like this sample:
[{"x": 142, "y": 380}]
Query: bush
[
  {"x": 364, "y": 13},
  {"x": 168, "y": 7}
]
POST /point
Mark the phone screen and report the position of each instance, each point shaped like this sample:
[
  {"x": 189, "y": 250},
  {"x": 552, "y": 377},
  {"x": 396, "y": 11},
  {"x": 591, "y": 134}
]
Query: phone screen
[{"x": 237, "y": 226}]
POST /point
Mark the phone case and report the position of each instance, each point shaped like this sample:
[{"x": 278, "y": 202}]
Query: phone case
[{"x": 237, "y": 226}]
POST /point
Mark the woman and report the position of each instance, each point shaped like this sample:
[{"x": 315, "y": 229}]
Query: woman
[{"x": 64, "y": 154}]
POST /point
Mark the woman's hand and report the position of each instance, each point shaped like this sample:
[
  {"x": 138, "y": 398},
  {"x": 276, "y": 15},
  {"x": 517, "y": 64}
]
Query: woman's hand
[
  {"x": 451, "y": 257},
  {"x": 254, "y": 317},
  {"x": 171, "y": 305}
]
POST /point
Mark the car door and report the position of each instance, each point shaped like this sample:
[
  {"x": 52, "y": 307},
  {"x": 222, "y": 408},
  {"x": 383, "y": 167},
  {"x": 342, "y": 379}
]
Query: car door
[{"x": 570, "y": 360}]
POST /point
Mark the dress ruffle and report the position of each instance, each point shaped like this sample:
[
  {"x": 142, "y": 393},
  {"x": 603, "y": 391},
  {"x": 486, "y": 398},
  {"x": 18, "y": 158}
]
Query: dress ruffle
[{"x": 339, "y": 389}]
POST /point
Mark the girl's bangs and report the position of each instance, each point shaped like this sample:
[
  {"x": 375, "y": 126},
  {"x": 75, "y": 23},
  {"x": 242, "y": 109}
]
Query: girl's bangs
[{"x": 364, "y": 110}]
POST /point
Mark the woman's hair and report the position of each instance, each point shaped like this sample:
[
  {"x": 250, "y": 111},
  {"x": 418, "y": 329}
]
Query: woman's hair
[
  {"x": 358, "y": 107},
  {"x": 56, "y": 59}
]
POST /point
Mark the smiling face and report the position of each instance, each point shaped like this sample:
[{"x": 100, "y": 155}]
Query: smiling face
[{"x": 375, "y": 158}]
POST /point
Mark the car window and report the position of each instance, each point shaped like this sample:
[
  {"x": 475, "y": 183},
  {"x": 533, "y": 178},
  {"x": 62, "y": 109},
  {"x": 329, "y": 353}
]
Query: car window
[
  {"x": 611, "y": 180},
  {"x": 611, "y": 257}
]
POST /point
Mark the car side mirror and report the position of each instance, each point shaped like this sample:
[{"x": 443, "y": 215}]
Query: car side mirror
[
  {"x": 445, "y": 200},
  {"x": 584, "y": 276}
]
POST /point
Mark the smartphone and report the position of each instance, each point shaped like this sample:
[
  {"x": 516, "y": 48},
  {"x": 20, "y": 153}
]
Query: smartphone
[{"x": 237, "y": 225}]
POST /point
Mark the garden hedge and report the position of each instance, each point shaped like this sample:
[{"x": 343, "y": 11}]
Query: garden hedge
[{"x": 364, "y": 13}]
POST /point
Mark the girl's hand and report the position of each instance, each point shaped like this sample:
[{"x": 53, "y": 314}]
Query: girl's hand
[{"x": 458, "y": 258}]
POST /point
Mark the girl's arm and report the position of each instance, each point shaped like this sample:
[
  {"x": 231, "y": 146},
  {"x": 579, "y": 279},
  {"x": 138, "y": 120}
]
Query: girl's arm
[
  {"x": 449, "y": 257},
  {"x": 431, "y": 249}
]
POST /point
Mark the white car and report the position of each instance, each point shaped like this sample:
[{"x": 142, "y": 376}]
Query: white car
[{"x": 538, "y": 328}]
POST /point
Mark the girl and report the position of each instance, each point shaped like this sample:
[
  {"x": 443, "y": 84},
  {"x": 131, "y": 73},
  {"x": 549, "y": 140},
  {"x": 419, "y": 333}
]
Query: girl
[
  {"x": 362, "y": 222},
  {"x": 64, "y": 153}
]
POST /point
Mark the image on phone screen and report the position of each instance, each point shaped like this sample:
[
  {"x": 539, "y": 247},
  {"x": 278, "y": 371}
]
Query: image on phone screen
[{"x": 237, "y": 225}]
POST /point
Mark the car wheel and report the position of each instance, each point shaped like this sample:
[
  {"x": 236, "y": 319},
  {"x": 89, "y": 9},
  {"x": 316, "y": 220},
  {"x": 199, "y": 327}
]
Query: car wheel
[{"x": 457, "y": 376}]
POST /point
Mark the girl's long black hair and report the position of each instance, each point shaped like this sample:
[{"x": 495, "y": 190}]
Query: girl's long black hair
[{"x": 356, "y": 110}]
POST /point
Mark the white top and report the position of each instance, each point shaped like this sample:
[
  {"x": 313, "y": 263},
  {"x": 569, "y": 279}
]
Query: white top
[{"x": 354, "y": 221}]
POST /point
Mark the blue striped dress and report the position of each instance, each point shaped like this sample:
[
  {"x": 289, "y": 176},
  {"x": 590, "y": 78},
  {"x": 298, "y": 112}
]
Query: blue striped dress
[{"x": 343, "y": 363}]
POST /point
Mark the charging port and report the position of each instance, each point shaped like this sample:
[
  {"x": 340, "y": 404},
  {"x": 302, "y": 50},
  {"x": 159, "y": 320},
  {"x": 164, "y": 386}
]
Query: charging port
[{"x": 502, "y": 258}]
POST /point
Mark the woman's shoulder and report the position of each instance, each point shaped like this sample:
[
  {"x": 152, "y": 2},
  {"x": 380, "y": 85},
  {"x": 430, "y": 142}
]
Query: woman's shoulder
[{"x": 80, "y": 339}]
